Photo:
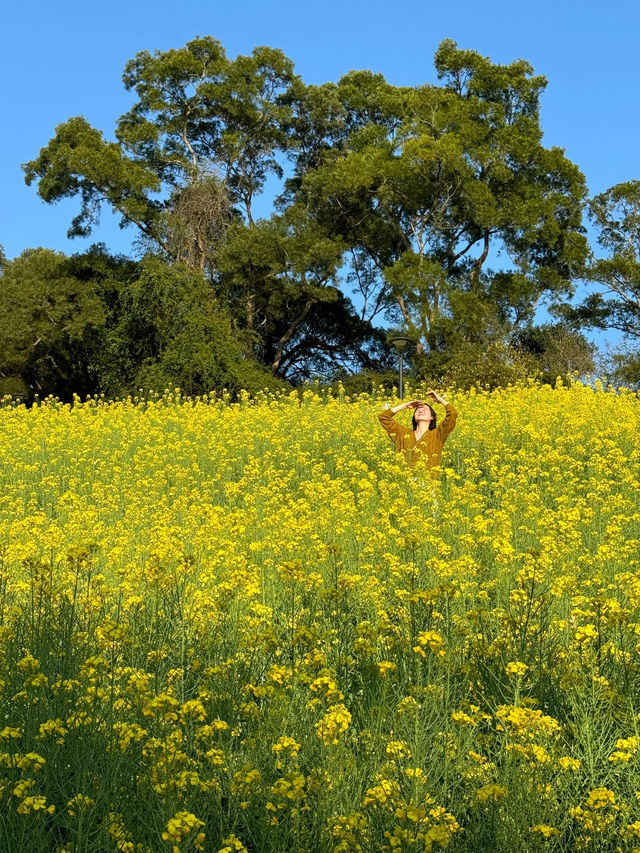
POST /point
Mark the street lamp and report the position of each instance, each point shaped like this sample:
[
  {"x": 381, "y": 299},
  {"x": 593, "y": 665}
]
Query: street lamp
[{"x": 400, "y": 342}]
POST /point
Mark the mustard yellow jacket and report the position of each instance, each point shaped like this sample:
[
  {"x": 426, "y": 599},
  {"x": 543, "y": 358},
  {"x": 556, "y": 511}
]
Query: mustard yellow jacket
[{"x": 427, "y": 449}]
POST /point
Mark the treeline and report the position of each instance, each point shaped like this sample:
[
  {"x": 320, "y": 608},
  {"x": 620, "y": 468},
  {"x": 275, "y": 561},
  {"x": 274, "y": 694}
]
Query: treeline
[{"x": 432, "y": 209}]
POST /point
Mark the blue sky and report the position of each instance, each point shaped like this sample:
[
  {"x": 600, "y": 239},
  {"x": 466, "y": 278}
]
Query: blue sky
[{"x": 66, "y": 59}]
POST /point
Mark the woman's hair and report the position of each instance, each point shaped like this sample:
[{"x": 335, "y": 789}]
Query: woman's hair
[{"x": 432, "y": 422}]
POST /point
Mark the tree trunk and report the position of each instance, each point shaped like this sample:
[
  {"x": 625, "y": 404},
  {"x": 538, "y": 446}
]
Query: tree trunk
[
  {"x": 287, "y": 335},
  {"x": 477, "y": 264},
  {"x": 407, "y": 319}
]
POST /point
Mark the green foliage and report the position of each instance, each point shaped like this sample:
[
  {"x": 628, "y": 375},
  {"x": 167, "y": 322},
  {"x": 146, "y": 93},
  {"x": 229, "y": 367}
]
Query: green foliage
[
  {"x": 173, "y": 333},
  {"x": 626, "y": 367},
  {"x": 273, "y": 272},
  {"x": 479, "y": 365},
  {"x": 616, "y": 216},
  {"x": 197, "y": 113},
  {"x": 435, "y": 179},
  {"x": 363, "y": 382},
  {"x": 279, "y": 278},
  {"x": 557, "y": 349},
  {"x": 97, "y": 324},
  {"x": 79, "y": 162},
  {"x": 621, "y": 364},
  {"x": 407, "y": 194},
  {"x": 54, "y": 321},
  {"x": 196, "y": 108}
]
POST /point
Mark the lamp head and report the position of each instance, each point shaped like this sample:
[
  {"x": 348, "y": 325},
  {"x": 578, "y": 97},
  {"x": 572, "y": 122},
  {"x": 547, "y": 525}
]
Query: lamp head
[{"x": 400, "y": 341}]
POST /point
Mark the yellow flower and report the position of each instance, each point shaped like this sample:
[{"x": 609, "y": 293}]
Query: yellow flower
[
  {"x": 568, "y": 763},
  {"x": 181, "y": 825},
  {"x": 398, "y": 749},
  {"x": 382, "y": 794},
  {"x": 586, "y": 633},
  {"x": 79, "y": 803},
  {"x": 462, "y": 718},
  {"x": 193, "y": 709},
  {"x": 545, "y": 830},
  {"x": 232, "y": 844},
  {"x": 35, "y": 804},
  {"x": 183, "y": 566},
  {"x": 432, "y": 640},
  {"x": 286, "y": 744},
  {"x": 490, "y": 792},
  {"x": 334, "y": 723},
  {"x": 600, "y": 798}
]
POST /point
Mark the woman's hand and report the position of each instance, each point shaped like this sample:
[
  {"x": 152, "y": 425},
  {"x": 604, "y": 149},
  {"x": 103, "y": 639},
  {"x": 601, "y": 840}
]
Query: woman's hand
[
  {"x": 413, "y": 404},
  {"x": 437, "y": 398}
]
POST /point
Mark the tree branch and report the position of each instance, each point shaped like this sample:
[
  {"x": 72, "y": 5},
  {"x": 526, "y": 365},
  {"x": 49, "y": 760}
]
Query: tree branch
[{"x": 287, "y": 335}]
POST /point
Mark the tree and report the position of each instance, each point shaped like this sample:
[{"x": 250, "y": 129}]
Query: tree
[
  {"x": 54, "y": 311},
  {"x": 615, "y": 214},
  {"x": 557, "y": 349},
  {"x": 198, "y": 217},
  {"x": 425, "y": 183},
  {"x": 407, "y": 194},
  {"x": 93, "y": 323},
  {"x": 172, "y": 332},
  {"x": 621, "y": 363},
  {"x": 272, "y": 273},
  {"x": 483, "y": 365},
  {"x": 331, "y": 342},
  {"x": 201, "y": 121}
]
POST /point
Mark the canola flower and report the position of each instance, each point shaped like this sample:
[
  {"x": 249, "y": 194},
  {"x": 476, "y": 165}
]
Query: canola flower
[{"x": 245, "y": 626}]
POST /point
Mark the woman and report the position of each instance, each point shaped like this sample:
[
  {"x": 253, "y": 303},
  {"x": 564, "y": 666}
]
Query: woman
[{"x": 423, "y": 444}]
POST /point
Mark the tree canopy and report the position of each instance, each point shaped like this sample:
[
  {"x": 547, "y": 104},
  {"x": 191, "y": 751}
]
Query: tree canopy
[{"x": 435, "y": 208}]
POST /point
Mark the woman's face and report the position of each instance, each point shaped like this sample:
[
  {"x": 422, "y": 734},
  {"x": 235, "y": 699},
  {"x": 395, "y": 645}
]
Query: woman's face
[{"x": 423, "y": 413}]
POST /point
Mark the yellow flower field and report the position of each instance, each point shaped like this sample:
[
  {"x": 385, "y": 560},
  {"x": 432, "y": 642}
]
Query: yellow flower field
[{"x": 249, "y": 627}]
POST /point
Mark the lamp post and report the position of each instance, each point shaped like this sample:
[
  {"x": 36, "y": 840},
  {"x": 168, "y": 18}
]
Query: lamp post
[{"x": 400, "y": 342}]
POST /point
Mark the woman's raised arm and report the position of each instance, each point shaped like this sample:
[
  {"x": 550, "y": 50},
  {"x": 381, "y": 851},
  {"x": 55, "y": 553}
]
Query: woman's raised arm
[
  {"x": 386, "y": 417},
  {"x": 449, "y": 420}
]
